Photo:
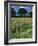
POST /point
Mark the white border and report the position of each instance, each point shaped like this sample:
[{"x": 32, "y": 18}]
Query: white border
[{"x": 33, "y": 28}]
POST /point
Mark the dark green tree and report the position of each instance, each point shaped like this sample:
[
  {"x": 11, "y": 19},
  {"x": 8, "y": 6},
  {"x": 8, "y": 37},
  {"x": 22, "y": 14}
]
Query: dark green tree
[
  {"x": 30, "y": 14},
  {"x": 13, "y": 12},
  {"x": 22, "y": 11}
]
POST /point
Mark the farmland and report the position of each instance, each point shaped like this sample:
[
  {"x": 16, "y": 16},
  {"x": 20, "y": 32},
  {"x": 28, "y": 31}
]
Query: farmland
[{"x": 21, "y": 28}]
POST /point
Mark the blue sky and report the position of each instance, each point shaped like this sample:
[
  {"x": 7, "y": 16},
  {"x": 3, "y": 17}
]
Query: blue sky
[{"x": 28, "y": 8}]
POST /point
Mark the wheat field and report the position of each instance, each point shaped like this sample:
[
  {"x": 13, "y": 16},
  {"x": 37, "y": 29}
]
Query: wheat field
[{"x": 21, "y": 28}]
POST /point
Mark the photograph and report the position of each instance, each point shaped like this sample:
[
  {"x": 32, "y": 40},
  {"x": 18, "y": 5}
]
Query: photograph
[{"x": 21, "y": 22}]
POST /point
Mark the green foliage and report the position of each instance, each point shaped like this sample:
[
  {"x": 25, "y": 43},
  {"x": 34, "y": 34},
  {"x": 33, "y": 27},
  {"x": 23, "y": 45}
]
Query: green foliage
[
  {"x": 13, "y": 12},
  {"x": 30, "y": 14},
  {"x": 21, "y": 28},
  {"x": 22, "y": 11}
]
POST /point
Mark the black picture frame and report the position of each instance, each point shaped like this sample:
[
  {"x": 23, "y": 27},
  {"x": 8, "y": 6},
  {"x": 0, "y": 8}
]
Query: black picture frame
[{"x": 6, "y": 22}]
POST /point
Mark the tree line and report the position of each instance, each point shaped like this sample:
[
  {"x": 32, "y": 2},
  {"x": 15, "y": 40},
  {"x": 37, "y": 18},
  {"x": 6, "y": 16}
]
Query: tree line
[{"x": 21, "y": 13}]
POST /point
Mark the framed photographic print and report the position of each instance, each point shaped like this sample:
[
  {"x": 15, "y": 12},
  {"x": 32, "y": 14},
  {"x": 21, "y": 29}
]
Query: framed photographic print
[{"x": 20, "y": 22}]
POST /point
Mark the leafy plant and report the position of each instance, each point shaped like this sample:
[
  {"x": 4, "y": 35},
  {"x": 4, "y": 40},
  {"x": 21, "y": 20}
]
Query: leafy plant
[{"x": 21, "y": 28}]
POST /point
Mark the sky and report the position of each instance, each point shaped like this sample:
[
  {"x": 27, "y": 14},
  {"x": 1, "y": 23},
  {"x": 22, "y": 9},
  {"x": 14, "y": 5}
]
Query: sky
[{"x": 28, "y": 8}]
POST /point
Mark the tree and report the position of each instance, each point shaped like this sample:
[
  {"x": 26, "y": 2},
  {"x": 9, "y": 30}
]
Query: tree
[
  {"x": 13, "y": 12},
  {"x": 30, "y": 14},
  {"x": 22, "y": 11}
]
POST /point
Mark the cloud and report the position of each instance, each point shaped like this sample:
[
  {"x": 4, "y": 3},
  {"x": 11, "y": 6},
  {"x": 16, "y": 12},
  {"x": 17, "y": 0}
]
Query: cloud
[
  {"x": 24, "y": 7},
  {"x": 21, "y": 7},
  {"x": 12, "y": 6}
]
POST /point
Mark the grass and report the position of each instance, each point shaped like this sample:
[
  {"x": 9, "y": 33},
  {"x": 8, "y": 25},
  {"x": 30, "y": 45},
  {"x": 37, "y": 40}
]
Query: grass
[{"x": 21, "y": 28}]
